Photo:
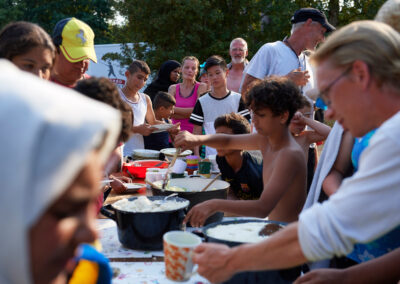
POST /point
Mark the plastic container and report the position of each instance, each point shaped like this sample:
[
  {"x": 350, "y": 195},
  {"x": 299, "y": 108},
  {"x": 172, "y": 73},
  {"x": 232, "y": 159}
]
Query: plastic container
[
  {"x": 153, "y": 174},
  {"x": 138, "y": 168},
  {"x": 192, "y": 163},
  {"x": 205, "y": 168}
]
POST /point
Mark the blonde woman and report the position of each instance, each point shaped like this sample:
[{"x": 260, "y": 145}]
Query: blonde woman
[{"x": 187, "y": 92}]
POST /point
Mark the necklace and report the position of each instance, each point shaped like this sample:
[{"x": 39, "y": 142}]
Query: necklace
[{"x": 286, "y": 41}]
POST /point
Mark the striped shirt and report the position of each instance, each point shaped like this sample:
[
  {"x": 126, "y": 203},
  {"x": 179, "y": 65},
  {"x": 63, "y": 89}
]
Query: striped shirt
[{"x": 208, "y": 108}]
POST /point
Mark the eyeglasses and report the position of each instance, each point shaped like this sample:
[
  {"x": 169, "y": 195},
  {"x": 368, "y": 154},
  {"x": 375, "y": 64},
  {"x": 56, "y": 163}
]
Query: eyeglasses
[
  {"x": 323, "y": 95},
  {"x": 238, "y": 49}
]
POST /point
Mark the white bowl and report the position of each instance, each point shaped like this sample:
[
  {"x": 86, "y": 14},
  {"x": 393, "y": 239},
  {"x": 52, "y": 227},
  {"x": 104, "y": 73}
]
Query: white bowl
[
  {"x": 145, "y": 153},
  {"x": 170, "y": 152}
]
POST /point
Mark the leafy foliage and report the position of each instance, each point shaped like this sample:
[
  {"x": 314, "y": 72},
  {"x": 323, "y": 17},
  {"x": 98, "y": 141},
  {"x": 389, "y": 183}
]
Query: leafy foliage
[
  {"x": 172, "y": 29},
  {"x": 46, "y": 13}
]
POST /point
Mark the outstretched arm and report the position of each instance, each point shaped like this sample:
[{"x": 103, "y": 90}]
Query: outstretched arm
[
  {"x": 239, "y": 142},
  {"x": 218, "y": 262}
]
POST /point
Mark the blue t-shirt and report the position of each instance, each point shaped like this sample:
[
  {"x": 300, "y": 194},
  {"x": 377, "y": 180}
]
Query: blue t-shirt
[
  {"x": 247, "y": 182},
  {"x": 359, "y": 145},
  {"x": 157, "y": 141},
  {"x": 386, "y": 243}
]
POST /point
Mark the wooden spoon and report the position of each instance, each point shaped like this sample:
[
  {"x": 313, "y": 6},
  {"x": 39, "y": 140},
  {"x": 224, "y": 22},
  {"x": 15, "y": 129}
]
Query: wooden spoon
[
  {"x": 153, "y": 184},
  {"x": 211, "y": 182},
  {"x": 165, "y": 181}
]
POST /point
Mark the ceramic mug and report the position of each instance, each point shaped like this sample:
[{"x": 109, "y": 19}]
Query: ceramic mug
[{"x": 178, "y": 251}]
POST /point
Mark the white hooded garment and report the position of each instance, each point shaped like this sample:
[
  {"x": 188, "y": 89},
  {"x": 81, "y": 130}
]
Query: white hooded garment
[{"x": 46, "y": 133}]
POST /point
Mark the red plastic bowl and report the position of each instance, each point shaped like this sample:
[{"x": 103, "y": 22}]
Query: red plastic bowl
[{"x": 138, "y": 168}]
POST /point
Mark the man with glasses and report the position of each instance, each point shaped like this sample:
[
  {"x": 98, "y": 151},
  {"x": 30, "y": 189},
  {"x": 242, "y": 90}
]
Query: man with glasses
[
  {"x": 358, "y": 72},
  {"x": 286, "y": 57},
  {"x": 238, "y": 52}
]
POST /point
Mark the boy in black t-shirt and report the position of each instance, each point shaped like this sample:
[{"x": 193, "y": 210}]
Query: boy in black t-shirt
[
  {"x": 241, "y": 169},
  {"x": 163, "y": 106}
]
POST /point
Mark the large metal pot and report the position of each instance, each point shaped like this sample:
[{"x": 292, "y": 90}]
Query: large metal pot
[
  {"x": 144, "y": 230},
  {"x": 194, "y": 185},
  {"x": 283, "y": 276}
]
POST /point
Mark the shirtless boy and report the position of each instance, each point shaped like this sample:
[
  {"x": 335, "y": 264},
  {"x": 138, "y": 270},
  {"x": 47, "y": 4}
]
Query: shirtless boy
[{"x": 274, "y": 102}]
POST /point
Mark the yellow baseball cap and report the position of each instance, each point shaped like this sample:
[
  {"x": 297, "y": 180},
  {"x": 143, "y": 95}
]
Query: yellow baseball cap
[{"x": 75, "y": 39}]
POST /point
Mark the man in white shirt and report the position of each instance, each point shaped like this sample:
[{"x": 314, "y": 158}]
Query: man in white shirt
[
  {"x": 286, "y": 58},
  {"x": 357, "y": 71}
]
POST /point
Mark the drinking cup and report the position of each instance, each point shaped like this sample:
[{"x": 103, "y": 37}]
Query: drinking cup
[{"x": 178, "y": 251}]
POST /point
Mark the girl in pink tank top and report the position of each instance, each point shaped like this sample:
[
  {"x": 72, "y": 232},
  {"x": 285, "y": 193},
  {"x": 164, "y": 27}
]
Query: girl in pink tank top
[{"x": 186, "y": 102}]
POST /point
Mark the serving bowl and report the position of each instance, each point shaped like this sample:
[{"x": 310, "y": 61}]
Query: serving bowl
[
  {"x": 194, "y": 185},
  {"x": 283, "y": 276},
  {"x": 170, "y": 152},
  {"x": 144, "y": 230}
]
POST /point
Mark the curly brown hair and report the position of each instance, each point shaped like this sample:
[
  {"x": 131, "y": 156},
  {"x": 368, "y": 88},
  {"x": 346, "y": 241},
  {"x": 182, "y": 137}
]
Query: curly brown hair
[
  {"x": 278, "y": 94},
  {"x": 103, "y": 90}
]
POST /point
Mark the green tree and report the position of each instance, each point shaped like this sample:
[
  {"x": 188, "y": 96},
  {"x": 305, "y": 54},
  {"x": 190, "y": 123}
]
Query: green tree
[
  {"x": 10, "y": 10},
  {"x": 172, "y": 29},
  {"x": 96, "y": 13}
]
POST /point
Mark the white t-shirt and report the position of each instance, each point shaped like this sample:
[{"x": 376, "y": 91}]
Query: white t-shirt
[
  {"x": 365, "y": 207},
  {"x": 276, "y": 58},
  {"x": 208, "y": 108},
  {"x": 139, "y": 114}
]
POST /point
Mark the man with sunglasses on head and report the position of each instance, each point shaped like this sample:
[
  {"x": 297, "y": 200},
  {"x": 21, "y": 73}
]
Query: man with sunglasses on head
[
  {"x": 357, "y": 70},
  {"x": 287, "y": 57}
]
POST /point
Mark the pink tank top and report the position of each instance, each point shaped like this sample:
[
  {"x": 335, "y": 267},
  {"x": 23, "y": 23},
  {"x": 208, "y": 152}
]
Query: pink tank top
[{"x": 187, "y": 102}]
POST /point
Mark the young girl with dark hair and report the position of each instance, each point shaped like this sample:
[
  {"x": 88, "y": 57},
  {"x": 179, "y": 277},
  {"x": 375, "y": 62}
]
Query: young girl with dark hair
[{"x": 29, "y": 47}]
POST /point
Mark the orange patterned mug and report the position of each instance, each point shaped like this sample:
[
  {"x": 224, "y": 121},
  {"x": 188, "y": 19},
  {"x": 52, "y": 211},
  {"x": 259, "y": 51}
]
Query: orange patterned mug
[{"x": 178, "y": 251}]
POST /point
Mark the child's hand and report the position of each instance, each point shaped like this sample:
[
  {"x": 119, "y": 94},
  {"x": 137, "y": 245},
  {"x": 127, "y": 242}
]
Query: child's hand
[
  {"x": 145, "y": 129},
  {"x": 298, "y": 117},
  {"x": 174, "y": 130},
  {"x": 199, "y": 213},
  {"x": 185, "y": 140},
  {"x": 118, "y": 186}
]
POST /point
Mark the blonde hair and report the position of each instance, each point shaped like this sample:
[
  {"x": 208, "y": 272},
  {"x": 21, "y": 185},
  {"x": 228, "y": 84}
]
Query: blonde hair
[
  {"x": 376, "y": 44},
  {"x": 389, "y": 13},
  {"x": 194, "y": 58}
]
